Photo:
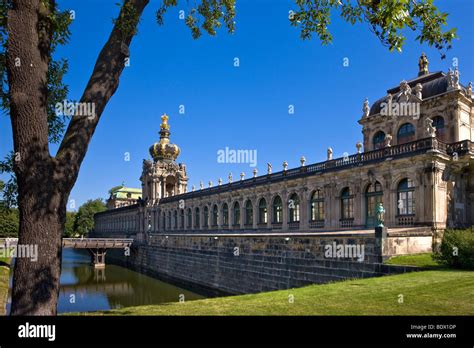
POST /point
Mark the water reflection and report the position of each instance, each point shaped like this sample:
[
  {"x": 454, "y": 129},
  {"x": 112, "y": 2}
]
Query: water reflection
[{"x": 84, "y": 288}]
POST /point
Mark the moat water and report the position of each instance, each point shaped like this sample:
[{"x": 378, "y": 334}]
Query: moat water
[{"x": 83, "y": 288}]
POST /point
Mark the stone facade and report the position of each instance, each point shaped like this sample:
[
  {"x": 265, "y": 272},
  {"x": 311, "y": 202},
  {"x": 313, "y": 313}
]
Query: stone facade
[{"x": 416, "y": 161}]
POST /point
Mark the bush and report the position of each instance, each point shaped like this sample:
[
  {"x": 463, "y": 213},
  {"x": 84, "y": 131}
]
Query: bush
[
  {"x": 9, "y": 222},
  {"x": 457, "y": 249}
]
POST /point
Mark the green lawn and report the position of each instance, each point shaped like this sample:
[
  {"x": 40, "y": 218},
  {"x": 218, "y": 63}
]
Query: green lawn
[
  {"x": 420, "y": 260},
  {"x": 433, "y": 292},
  {"x": 4, "y": 279}
]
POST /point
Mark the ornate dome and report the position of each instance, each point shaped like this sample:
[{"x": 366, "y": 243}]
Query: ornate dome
[{"x": 163, "y": 150}]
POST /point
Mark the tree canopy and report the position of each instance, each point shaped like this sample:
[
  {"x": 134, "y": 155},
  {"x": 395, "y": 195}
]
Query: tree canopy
[
  {"x": 9, "y": 222},
  {"x": 84, "y": 219}
]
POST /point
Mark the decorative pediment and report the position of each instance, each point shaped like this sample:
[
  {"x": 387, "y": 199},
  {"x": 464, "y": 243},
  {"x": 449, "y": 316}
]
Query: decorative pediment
[{"x": 406, "y": 94}]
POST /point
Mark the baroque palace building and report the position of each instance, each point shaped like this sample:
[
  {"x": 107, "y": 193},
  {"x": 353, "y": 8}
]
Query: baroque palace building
[{"x": 415, "y": 159}]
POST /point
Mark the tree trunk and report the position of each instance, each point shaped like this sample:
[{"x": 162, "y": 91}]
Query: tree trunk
[
  {"x": 44, "y": 182},
  {"x": 36, "y": 282}
]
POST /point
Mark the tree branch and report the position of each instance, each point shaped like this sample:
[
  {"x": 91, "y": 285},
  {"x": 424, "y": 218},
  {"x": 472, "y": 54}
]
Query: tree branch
[{"x": 101, "y": 86}]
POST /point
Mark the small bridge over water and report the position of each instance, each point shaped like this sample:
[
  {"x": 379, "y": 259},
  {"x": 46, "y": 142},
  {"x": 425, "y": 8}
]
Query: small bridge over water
[{"x": 97, "y": 247}]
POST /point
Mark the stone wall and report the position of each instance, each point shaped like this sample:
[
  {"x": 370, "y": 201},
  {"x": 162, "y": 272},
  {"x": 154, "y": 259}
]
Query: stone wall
[
  {"x": 237, "y": 264},
  {"x": 407, "y": 241}
]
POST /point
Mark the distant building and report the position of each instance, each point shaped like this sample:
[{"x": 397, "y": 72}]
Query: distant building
[
  {"x": 416, "y": 159},
  {"x": 122, "y": 196}
]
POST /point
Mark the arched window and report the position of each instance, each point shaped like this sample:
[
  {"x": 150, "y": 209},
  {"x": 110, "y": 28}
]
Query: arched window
[
  {"x": 190, "y": 218},
  {"x": 206, "y": 217},
  {"x": 175, "y": 220},
  {"x": 379, "y": 140},
  {"x": 262, "y": 211},
  {"x": 225, "y": 215},
  {"x": 438, "y": 123},
  {"x": 373, "y": 196},
  {"x": 406, "y": 133},
  {"x": 294, "y": 208},
  {"x": 236, "y": 212},
  {"x": 249, "y": 213},
  {"x": 197, "y": 218},
  {"x": 347, "y": 204},
  {"x": 277, "y": 210},
  {"x": 406, "y": 197},
  {"x": 169, "y": 220},
  {"x": 214, "y": 215},
  {"x": 317, "y": 206},
  {"x": 181, "y": 218}
]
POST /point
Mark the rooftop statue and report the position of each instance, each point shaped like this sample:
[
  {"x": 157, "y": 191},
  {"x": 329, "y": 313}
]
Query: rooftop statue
[
  {"x": 366, "y": 108},
  {"x": 329, "y": 153},
  {"x": 164, "y": 122},
  {"x": 453, "y": 79},
  {"x": 423, "y": 65}
]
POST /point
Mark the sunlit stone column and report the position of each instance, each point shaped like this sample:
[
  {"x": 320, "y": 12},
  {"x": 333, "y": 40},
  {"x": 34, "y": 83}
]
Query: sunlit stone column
[
  {"x": 230, "y": 224},
  {"x": 201, "y": 217},
  {"x": 162, "y": 187},
  {"x": 193, "y": 219},
  {"x": 268, "y": 199},
  {"x": 255, "y": 212},
  {"x": 304, "y": 208},
  {"x": 220, "y": 216},
  {"x": 230, "y": 215},
  {"x": 330, "y": 205},
  {"x": 388, "y": 201},
  {"x": 209, "y": 215},
  {"x": 285, "y": 211},
  {"x": 242, "y": 212}
]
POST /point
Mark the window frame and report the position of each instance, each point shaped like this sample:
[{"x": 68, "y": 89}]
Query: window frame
[
  {"x": 248, "y": 216},
  {"x": 406, "y": 137},
  {"x": 379, "y": 144},
  {"x": 236, "y": 214},
  {"x": 406, "y": 194},
  {"x": 317, "y": 206},
  {"x": 277, "y": 210},
  {"x": 262, "y": 211},
  {"x": 294, "y": 213},
  {"x": 347, "y": 204}
]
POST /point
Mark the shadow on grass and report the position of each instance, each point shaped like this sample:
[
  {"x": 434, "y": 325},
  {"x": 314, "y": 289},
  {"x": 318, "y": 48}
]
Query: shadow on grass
[{"x": 4, "y": 264}]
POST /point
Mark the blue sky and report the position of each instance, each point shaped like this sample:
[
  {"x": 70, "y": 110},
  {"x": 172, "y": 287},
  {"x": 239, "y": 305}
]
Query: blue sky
[{"x": 243, "y": 107}]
